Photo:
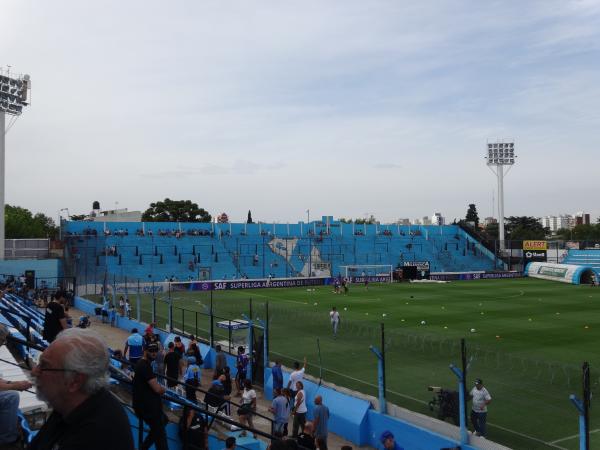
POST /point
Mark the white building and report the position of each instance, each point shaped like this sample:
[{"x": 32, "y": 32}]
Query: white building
[
  {"x": 555, "y": 223},
  {"x": 438, "y": 219},
  {"x": 115, "y": 215},
  {"x": 489, "y": 220}
]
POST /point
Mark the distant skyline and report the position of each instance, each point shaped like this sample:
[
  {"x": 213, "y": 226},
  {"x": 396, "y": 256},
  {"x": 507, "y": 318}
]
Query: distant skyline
[{"x": 346, "y": 108}]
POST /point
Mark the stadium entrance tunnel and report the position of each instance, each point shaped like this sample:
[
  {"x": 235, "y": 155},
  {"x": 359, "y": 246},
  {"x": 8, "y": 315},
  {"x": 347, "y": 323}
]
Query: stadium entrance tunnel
[
  {"x": 587, "y": 276},
  {"x": 565, "y": 273}
]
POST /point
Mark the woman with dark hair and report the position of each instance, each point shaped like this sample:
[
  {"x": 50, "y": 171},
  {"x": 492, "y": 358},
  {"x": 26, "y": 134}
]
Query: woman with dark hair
[
  {"x": 192, "y": 430},
  {"x": 248, "y": 407},
  {"x": 227, "y": 387},
  {"x": 228, "y": 383}
]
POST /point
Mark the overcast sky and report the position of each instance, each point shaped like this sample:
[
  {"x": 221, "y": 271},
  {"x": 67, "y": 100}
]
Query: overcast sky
[{"x": 341, "y": 107}]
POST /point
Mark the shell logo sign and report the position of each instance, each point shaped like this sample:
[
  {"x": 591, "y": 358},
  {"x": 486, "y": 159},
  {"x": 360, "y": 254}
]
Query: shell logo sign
[{"x": 535, "y": 245}]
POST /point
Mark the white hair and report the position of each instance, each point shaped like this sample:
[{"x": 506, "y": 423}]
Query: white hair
[{"x": 88, "y": 355}]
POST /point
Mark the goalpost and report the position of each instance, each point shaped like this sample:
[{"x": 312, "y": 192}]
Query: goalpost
[{"x": 368, "y": 270}]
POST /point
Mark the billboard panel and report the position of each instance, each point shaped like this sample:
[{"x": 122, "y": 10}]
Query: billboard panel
[{"x": 535, "y": 245}]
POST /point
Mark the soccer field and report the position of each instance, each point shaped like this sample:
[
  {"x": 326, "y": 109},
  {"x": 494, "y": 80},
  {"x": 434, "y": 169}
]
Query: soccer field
[{"x": 526, "y": 338}]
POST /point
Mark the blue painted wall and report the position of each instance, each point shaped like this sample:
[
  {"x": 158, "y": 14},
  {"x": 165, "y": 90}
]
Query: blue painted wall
[
  {"x": 407, "y": 435},
  {"x": 44, "y": 268}
]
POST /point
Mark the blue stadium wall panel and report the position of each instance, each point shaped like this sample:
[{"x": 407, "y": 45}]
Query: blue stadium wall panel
[{"x": 44, "y": 268}]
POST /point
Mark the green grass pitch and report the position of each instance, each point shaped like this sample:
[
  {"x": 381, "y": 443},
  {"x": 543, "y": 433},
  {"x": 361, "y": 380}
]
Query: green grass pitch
[{"x": 526, "y": 338}]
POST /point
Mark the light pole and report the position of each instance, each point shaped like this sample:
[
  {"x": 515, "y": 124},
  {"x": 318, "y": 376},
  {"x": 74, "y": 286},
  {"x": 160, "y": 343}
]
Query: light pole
[
  {"x": 499, "y": 155},
  {"x": 13, "y": 97}
]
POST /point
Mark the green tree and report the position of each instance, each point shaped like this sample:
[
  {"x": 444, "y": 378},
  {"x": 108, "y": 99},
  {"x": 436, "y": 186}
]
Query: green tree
[
  {"x": 492, "y": 230},
  {"x": 525, "y": 228},
  {"x": 472, "y": 215},
  {"x": 20, "y": 223},
  {"x": 77, "y": 217},
  {"x": 580, "y": 233},
  {"x": 586, "y": 232},
  {"x": 565, "y": 234},
  {"x": 369, "y": 220},
  {"x": 249, "y": 217},
  {"x": 175, "y": 211}
]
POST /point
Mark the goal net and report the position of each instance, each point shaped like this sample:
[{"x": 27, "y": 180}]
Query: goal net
[{"x": 379, "y": 273}]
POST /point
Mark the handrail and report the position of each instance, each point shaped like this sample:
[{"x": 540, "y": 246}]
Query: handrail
[{"x": 197, "y": 389}]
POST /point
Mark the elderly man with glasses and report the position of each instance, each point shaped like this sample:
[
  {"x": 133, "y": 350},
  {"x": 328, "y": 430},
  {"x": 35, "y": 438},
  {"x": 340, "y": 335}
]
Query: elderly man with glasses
[{"x": 72, "y": 377}]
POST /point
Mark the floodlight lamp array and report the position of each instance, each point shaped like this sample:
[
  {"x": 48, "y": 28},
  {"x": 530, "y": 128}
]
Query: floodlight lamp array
[
  {"x": 14, "y": 94},
  {"x": 501, "y": 153}
]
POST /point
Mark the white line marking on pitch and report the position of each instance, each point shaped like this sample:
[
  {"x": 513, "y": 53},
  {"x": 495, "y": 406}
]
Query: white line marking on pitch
[
  {"x": 541, "y": 441},
  {"x": 279, "y": 298},
  {"x": 573, "y": 436}
]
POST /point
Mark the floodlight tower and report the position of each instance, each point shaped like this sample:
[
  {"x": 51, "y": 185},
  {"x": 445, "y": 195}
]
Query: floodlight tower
[
  {"x": 500, "y": 155},
  {"x": 14, "y": 94}
]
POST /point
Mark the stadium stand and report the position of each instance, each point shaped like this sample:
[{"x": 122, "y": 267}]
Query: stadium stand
[{"x": 185, "y": 251}]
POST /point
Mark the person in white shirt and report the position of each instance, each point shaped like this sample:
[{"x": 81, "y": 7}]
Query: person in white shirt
[
  {"x": 334, "y": 316},
  {"x": 246, "y": 411},
  {"x": 295, "y": 376},
  {"x": 299, "y": 409},
  {"x": 481, "y": 398}
]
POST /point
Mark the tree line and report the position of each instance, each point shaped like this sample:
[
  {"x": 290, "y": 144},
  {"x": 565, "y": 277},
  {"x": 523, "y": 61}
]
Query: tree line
[
  {"x": 20, "y": 223},
  {"x": 523, "y": 228}
]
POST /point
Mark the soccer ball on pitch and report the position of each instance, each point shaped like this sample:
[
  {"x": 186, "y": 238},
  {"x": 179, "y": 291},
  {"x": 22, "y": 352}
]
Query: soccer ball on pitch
[
  {"x": 423, "y": 322},
  {"x": 473, "y": 330}
]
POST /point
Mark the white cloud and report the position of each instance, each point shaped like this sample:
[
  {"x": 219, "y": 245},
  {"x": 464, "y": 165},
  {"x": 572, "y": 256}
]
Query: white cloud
[{"x": 268, "y": 107}]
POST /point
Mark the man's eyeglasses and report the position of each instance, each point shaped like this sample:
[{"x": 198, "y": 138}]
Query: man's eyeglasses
[{"x": 42, "y": 367}]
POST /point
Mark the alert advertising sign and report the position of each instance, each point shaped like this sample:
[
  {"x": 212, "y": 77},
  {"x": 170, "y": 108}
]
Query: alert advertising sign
[{"x": 535, "y": 245}]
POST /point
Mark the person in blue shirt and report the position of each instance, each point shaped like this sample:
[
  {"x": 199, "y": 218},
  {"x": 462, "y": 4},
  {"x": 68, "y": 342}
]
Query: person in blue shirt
[
  {"x": 280, "y": 408},
  {"x": 277, "y": 376},
  {"x": 192, "y": 379},
  {"x": 388, "y": 442},
  {"x": 241, "y": 364},
  {"x": 117, "y": 355},
  {"x": 320, "y": 420},
  {"x": 135, "y": 345}
]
